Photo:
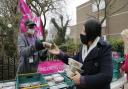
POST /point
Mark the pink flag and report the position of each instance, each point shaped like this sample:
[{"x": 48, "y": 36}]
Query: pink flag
[
  {"x": 27, "y": 15},
  {"x": 23, "y": 7}
]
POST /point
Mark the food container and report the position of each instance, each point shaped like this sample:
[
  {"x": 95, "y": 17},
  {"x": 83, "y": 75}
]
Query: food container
[
  {"x": 54, "y": 87},
  {"x": 62, "y": 86},
  {"x": 59, "y": 79},
  {"x": 51, "y": 83},
  {"x": 56, "y": 75},
  {"x": 48, "y": 78}
]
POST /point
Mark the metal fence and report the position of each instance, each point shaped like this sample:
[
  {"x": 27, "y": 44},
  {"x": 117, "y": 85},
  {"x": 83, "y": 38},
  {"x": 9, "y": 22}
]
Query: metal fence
[{"x": 8, "y": 66}]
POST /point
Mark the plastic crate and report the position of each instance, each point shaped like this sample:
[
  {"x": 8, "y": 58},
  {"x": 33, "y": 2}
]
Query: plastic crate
[
  {"x": 30, "y": 78},
  {"x": 117, "y": 62},
  {"x": 116, "y": 75}
]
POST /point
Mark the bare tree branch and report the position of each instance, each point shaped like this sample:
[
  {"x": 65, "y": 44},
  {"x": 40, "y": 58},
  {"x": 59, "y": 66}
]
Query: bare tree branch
[
  {"x": 43, "y": 6},
  {"x": 119, "y": 9},
  {"x": 55, "y": 24},
  {"x": 8, "y": 7},
  {"x": 61, "y": 19},
  {"x": 66, "y": 25},
  {"x": 36, "y": 10},
  {"x": 108, "y": 4},
  {"x": 61, "y": 30},
  {"x": 90, "y": 15},
  {"x": 44, "y": 24},
  {"x": 111, "y": 3},
  {"x": 105, "y": 11}
]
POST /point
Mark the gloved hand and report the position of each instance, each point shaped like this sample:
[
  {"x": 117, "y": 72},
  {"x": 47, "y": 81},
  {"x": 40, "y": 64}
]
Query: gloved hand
[
  {"x": 39, "y": 45},
  {"x": 43, "y": 54}
]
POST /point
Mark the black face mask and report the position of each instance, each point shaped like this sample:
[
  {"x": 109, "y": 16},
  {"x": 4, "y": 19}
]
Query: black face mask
[{"x": 84, "y": 39}]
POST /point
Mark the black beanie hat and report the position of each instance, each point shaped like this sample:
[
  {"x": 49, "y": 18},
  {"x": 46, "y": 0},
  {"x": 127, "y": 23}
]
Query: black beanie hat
[{"x": 92, "y": 28}]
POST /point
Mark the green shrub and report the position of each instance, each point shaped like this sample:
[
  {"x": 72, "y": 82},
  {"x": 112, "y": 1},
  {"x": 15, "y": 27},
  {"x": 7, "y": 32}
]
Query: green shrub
[
  {"x": 70, "y": 47},
  {"x": 117, "y": 45}
]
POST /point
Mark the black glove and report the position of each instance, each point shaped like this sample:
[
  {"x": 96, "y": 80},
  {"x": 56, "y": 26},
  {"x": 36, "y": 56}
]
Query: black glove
[
  {"x": 39, "y": 45},
  {"x": 43, "y": 55}
]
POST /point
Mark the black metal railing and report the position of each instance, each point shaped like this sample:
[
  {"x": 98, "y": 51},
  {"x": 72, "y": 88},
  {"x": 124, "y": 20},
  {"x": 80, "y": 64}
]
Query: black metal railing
[
  {"x": 8, "y": 62},
  {"x": 8, "y": 67}
]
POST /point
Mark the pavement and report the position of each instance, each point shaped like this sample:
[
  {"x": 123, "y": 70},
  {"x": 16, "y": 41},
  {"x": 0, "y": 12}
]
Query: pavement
[
  {"x": 118, "y": 84},
  {"x": 125, "y": 86}
]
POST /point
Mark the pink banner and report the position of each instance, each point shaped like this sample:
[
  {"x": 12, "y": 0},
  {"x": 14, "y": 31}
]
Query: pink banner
[
  {"x": 49, "y": 67},
  {"x": 23, "y": 7},
  {"x": 27, "y": 15}
]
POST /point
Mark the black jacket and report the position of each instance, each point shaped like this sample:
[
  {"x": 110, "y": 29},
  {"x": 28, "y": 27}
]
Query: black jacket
[{"x": 97, "y": 67}]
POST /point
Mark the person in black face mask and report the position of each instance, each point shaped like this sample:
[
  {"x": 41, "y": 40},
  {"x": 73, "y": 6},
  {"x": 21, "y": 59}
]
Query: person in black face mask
[
  {"x": 92, "y": 30},
  {"x": 95, "y": 57}
]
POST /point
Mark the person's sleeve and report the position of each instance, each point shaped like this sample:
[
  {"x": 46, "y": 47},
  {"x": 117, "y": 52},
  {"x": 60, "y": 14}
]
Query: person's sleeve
[
  {"x": 27, "y": 51},
  {"x": 24, "y": 50},
  {"x": 104, "y": 76},
  {"x": 65, "y": 57}
]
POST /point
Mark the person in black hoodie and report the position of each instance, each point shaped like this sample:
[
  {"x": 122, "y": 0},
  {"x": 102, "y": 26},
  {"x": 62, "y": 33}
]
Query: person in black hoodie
[{"x": 95, "y": 55}]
